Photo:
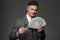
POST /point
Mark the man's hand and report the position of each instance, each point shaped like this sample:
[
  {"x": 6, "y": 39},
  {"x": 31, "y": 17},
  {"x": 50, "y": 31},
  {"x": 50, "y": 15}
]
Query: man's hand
[
  {"x": 21, "y": 31},
  {"x": 39, "y": 28}
]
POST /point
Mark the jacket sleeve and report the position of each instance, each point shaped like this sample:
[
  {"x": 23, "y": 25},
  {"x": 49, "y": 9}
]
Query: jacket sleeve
[{"x": 12, "y": 35}]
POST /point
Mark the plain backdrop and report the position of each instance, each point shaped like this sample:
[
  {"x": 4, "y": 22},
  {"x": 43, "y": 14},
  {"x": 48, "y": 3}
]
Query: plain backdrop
[{"x": 13, "y": 9}]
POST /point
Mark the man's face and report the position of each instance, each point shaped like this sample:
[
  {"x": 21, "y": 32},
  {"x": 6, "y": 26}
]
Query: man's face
[{"x": 32, "y": 10}]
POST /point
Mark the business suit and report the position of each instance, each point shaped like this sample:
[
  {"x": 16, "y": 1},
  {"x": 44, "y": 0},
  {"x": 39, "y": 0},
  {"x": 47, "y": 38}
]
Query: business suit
[{"x": 28, "y": 35}]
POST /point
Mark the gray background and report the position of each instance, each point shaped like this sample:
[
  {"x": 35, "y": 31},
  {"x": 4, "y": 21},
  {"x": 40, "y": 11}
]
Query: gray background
[{"x": 13, "y": 9}]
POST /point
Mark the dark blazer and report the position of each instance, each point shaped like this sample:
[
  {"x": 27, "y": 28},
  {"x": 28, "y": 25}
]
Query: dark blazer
[{"x": 23, "y": 22}]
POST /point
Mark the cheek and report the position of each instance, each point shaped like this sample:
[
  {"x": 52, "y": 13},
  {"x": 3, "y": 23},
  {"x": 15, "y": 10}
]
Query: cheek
[{"x": 30, "y": 11}]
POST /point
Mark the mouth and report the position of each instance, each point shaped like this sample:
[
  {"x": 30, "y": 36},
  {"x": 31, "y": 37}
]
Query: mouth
[{"x": 34, "y": 13}]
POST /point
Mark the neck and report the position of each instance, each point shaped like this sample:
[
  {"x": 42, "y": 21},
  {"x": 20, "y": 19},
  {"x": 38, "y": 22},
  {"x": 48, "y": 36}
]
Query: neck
[{"x": 30, "y": 15}]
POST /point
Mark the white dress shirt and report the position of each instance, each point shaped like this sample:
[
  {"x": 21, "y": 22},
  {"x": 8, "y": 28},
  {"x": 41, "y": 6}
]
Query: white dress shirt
[{"x": 28, "y": 18}]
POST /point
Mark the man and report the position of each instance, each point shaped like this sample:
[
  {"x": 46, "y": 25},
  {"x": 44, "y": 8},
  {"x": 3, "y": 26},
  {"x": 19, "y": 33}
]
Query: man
[{"x": 19, "y": 30}]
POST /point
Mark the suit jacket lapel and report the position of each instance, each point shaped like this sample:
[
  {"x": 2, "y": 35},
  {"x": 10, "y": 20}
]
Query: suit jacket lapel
[{"x": 25, "y": 21}]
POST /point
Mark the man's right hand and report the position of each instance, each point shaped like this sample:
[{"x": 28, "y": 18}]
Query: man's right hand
[{"x": 21, "y": 31}]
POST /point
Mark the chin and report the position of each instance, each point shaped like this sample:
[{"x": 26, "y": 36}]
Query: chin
[{"x": 33, "y": 16}]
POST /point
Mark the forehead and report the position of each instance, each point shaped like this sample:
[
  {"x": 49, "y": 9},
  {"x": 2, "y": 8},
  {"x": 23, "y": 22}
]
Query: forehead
[{"x": 32, "y": 6}]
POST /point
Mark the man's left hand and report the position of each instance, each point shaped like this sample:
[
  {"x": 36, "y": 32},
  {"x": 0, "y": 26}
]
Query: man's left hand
[{"x": 39, "y": 28}]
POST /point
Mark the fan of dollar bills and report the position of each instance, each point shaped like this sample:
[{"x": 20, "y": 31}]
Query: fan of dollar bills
[{"x": 36, "y": 21}]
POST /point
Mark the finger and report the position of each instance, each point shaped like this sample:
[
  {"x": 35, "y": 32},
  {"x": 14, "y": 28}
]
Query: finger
[{"x": 40, "y": 30}]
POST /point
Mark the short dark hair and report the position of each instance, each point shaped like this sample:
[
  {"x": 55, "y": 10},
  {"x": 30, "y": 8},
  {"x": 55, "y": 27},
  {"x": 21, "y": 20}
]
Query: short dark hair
[{"x": 33, "y": 3}]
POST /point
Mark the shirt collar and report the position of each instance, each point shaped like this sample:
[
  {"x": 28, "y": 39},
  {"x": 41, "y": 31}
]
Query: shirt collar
[{"x": 28, "y": 17}]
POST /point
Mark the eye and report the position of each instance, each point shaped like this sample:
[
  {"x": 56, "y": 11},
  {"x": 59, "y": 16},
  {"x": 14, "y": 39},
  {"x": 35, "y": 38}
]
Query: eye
[{"x": 35, "y": 9}]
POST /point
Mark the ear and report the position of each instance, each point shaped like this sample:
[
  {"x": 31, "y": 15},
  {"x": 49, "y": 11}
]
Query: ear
[{"x": 27, "y": 7}]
